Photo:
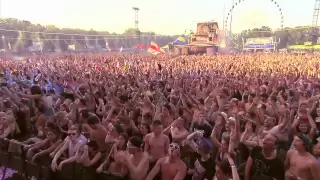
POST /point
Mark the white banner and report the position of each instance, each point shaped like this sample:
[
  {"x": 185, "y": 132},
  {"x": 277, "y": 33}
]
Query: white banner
[{"x": 262, "y": 40}]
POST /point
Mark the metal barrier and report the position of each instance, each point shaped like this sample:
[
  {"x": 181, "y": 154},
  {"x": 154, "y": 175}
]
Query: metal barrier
[{"x": 42, "y": 169}]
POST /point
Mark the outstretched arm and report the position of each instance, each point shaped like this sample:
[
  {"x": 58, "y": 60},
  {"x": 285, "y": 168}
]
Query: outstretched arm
[
  {"x": 138, "y": 170},
  {"x": 155, "y": 170}
]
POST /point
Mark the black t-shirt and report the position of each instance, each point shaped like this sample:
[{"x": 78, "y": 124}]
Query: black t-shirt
[
  {"x": 204, "y": 167},
  {"x": 266, "y": 167}
]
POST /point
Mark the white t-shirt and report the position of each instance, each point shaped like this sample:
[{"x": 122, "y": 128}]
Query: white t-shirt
[{"x": 73, "y": 147}]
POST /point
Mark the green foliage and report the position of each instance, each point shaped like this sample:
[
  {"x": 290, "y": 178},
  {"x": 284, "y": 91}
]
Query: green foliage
[
  {"x": 287, "y": 35},
  {"x": 22, "y": 36}
]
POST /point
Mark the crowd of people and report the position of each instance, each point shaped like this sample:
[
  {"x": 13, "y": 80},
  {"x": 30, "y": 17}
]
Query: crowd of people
[{"x": 141, "y": 117}]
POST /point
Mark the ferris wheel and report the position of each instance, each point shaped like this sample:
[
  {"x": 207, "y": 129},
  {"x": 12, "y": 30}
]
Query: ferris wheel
[{"x": 236, "y": 3}]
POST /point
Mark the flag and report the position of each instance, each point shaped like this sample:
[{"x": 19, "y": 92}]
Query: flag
[
  {"x": 126, "y": 67},
  {"x": 72, "y": 47},
  {"x": 179, "y": 41},
  {"x": 155, "y": 49},
  {"x": 187, "y": 33},
  {"x": 141, "y": 46},
  {"x": 107, "y": 45},
  {"x": 121, "y": 49}
]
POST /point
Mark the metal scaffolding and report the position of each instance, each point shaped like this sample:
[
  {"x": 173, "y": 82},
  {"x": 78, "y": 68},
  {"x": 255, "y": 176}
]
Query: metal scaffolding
[
  {"x": 316, "y": 13},
  {"x": 136, "y": 17},
  {"x": 136, "y": 22}
]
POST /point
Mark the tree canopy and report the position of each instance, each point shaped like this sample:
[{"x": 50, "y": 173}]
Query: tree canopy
[
  {"x": 20, "y": 34},
  {"x": 287, "y": 35}
]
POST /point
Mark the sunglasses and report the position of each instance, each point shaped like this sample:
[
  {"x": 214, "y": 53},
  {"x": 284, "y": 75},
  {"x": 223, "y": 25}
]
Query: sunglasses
[
  {"x": 71, "y": 134},
  {"x": 174, "y": 147}
]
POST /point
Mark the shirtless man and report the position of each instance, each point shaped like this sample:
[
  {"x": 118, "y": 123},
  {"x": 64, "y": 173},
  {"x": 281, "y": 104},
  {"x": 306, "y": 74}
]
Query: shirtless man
[
  {"x": 269, "y": 123},
  {"x": 156, "y": 143},
  {"x": 135, "y": 159},
  {"x": 300, "y": 164},
  {"x": 178, "y": 131},
  {"x": 171, "y": 166},
  {"x": 97, "y": 132}
]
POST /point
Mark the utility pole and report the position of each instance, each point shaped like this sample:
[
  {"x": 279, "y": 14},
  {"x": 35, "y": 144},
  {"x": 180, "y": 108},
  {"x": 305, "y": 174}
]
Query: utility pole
[
  {"x": 0, "y": 8},
  {"x": 315, "y": 16},
  {"x": 315, "y": 13},
  {"x": 136, "y": 22}
]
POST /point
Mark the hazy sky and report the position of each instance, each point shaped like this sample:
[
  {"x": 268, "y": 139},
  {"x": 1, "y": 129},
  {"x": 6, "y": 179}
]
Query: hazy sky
[{"x": 162, "y": 17}]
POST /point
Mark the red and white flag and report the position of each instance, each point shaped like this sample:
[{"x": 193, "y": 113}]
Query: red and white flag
[{"x": 155, "y": 49}]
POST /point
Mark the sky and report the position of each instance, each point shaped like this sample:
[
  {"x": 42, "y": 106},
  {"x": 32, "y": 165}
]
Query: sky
[{"x": 161, "y": 17}]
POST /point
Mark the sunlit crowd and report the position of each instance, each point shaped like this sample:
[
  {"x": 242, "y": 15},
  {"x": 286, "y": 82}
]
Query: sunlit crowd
[{"x": 144, "y": 117}]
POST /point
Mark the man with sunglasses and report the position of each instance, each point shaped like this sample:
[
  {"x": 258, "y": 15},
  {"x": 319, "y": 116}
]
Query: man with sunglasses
[
  {"x": 171, "y": 167},
  {"x": 72, "y": 143}
]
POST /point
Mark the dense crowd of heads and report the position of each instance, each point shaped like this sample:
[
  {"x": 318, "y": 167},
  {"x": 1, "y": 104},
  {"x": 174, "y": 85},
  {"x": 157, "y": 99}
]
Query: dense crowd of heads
[{"x": 141, "y": 117}]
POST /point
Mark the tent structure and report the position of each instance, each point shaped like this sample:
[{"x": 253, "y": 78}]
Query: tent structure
[
  {"x": 165, "y": 47},
  {"x": 180, "y": 41}
]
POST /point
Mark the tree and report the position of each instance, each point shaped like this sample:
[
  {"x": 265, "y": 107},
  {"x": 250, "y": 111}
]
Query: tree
[
  {"x": 130, "y": 32},
  {"x": 53, "y": 37},
  {"x": 287, "y": 35}
]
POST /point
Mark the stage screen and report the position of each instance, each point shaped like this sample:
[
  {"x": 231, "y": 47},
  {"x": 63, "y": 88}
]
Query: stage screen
[{"x": 259, "y": 43}]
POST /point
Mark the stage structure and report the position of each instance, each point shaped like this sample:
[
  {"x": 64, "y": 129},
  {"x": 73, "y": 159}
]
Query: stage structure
[
  {"x": 260, "y": 44},
  {"x": 207, "y": 39}
]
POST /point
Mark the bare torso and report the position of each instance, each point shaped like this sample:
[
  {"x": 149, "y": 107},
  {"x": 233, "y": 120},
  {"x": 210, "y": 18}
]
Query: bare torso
[
  {"x": 300, "y": 166},
  {"x": 169, "y": 170},
  {"x": 157, "y": 145},
  {"x": 167, "y": 120}
]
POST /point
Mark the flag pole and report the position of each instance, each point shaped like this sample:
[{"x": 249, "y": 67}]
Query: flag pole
[{"x": 224, "y": 15}]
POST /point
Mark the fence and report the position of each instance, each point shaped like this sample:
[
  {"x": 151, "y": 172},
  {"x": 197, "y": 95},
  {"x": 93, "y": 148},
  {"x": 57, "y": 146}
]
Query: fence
[{"x": 41, "y": 170}]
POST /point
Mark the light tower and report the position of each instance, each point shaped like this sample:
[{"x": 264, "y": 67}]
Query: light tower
[
  {"x": 0, "y": 8},
  {"x": 316, "y": 13},
  {"x": 136, "y": 17},
  {"x": 314, "y": 32},
  {"x": 136, "y": 21}
]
